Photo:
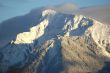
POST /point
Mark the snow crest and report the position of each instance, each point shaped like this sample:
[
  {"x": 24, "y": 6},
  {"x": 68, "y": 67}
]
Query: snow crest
[
  {"x": 34, "y": 33},
  {"x": 48, "y": 12}
]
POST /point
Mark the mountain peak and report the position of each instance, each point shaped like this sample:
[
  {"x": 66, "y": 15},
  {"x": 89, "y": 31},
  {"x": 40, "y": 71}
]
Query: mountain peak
[
  {"x": 57, "y": 37},
  {"x": 48, "y": 12}
]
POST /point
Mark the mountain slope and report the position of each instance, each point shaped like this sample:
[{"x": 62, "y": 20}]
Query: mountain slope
[{"x": 58, "y": 43}]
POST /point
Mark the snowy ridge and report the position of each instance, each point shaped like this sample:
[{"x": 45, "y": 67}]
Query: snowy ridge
[
  {"x": 67, "y": 26},
  {"x": 53, "y": 25},
  {"x": 34, "y": 33},
  {"x": 101, "y": 35}
]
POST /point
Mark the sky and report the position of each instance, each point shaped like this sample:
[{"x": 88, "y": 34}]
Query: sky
[{"x": 12, "y": 8}]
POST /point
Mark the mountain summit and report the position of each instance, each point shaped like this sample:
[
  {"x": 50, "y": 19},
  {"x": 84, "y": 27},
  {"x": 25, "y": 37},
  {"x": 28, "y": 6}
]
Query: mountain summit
[{"x": 58, "y": 43}]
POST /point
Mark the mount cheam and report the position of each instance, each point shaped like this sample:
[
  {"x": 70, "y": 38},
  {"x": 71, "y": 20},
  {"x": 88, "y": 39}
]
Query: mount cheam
[{"x": 54, "y": 42}]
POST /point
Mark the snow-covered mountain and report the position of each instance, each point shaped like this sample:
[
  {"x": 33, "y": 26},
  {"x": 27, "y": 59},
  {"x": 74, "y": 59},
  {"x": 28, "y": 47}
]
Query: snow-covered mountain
[{"x": 54, "y": 42}]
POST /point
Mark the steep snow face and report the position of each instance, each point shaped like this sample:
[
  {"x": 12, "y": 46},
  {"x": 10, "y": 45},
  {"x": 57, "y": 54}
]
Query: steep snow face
[
  {"x": 101, "y": 35},
  {"x": 34, "y": 33},
  {"x": 77, "y": 20},
  {"x": 78, "y": 25},
  {"x": 52, "y": 25}
]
